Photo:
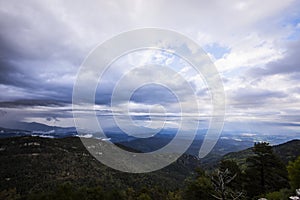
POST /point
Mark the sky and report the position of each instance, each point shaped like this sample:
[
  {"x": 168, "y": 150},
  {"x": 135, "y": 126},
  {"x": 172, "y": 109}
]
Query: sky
[{"x": 255, "y": 47}]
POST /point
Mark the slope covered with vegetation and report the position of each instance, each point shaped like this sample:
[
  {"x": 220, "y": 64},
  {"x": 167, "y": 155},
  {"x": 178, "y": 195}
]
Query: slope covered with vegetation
[
  {"x": 44, "y": 168},
  {"x": 34, "y": 164}
]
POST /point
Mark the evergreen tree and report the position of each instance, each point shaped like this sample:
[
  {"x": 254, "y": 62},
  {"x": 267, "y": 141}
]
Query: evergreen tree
[
  {"x": 294, "y": 173},
  {"x": 221, "y": 181},
  {"x": 201, "y": 188},
  {"x": 233, "y": 170},
  {"x": 265, "y": 171},
  {"x": 10, "y": 194}
]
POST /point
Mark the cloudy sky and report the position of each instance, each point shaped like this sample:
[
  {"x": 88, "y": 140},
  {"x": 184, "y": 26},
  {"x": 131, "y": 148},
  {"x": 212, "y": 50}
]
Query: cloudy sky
[{"x": 255, "y": 46}]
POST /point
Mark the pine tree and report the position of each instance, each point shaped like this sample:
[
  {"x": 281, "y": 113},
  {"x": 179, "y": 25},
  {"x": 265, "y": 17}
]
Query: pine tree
[
  {"x": 233, "y": 170},
  {"x": 265, "y": 171},
  {"x": 294, "y": 173},
  {"x": 221, "y": 181},
  {"x": 201, "y": 188}
]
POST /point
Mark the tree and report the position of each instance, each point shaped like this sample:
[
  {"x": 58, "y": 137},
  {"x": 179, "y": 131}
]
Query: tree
[
  {"x": 221, "y": 181},
  {"x": 200, "y": 188},
  {"x": 233, "y": 170},
  {"x": 144, "y": 196},
  {"x": 265, "y": 171},
  {"x": 176, "y": 195},
  {"x": 279, "y": 195},
  {"x": 294, "y": 173},
  {"x": 10, "y": 194}
]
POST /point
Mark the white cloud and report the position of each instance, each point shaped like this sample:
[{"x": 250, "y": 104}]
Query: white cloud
[{"x": 47, "y": 41}]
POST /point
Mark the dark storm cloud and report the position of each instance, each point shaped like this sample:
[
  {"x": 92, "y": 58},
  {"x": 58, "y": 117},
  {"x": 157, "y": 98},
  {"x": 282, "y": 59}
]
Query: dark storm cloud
[
  {"x": 291, "y": 117},
  {"x": 33, "y": 30},
  {"x": 249, "y": 96},
  {"x": 147, "y": 95},
  {"x": 42, "y": 44},
  {"x": 8, "y": 73},
  {"x": 153, "y": 94},
  {"x": 22, "y": 77},
  {"x": 33, "y": 84},
  {"x": 37, "y": 50},
  {"x": 289, "y": 64},
  {"x": 288, "y": 124},
  {"x": 31, "y": 103}
]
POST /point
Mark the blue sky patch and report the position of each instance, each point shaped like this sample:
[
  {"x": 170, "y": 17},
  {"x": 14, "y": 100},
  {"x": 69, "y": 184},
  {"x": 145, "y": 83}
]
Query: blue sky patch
[{"x": 216, "y": 50}]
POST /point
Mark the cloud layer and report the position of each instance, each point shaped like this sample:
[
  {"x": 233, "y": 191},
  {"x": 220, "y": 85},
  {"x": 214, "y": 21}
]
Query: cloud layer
[{"x": 254, "y": 45}]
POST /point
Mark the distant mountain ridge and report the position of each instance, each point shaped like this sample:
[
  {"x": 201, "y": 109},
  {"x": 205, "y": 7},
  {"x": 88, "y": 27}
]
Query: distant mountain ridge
[
  {"x": 222, "y": 147},
  {"x": 36, "y": 129},
  {"x": 35, "y": 126},
  {"x": 228, "y": 142},
  {"x": 287, "y": 151}
]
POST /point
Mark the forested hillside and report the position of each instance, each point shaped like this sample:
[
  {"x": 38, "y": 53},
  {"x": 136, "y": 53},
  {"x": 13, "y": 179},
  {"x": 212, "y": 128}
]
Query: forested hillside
[{"x": 44, "y": 168}]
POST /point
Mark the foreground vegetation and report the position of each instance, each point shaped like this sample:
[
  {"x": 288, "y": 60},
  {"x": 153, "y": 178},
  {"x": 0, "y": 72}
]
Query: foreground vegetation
[{"x": 37, "y": 168}]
